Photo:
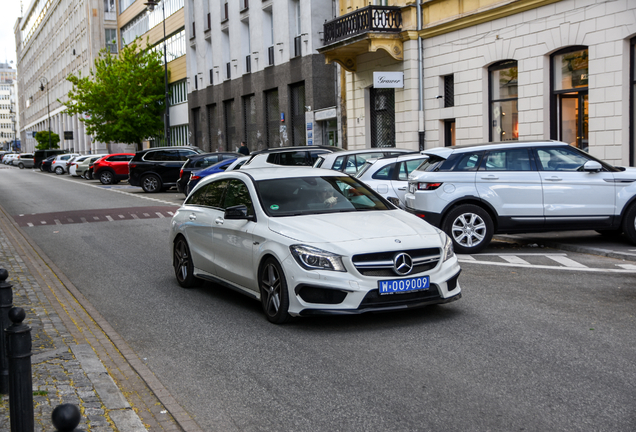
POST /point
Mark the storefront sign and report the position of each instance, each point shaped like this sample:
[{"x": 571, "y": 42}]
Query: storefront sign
[
  {"x": 388, "y": 79},
  {"x": 68, "y": 135}
]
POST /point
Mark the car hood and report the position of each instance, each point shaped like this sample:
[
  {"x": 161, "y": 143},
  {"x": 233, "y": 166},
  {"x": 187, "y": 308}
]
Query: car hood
[{"x": 353, "y": 226}]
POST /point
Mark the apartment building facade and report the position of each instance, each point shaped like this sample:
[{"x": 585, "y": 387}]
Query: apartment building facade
[
  {"x": 56, "y": 38},
  {"x": 9, "y": 117},
  {"x": 255, "y": 75},
  {"x": 136, "y": 20},
  {"x": 448, "y": 72}
]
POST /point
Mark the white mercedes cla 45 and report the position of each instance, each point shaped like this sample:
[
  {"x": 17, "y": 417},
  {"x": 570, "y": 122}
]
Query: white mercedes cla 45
[{"x": 308, "y": 241}]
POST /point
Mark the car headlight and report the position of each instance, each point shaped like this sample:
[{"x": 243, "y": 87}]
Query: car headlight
[
  {"x": 448, "y": 251},
  {"x": 311, "y": 258}
]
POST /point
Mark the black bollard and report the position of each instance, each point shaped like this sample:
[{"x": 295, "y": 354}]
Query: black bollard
[
  {"x": 20, "y": 381},
  {"x": 66, "y": 417},
  {"x": 6, "y": 303}
]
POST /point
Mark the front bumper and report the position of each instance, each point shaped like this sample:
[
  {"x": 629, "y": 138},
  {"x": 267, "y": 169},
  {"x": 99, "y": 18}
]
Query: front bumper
[{"x": 336, "y": 293}]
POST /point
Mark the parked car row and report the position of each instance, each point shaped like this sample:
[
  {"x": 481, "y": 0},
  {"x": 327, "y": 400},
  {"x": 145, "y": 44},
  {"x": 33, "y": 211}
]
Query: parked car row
[{"x": 21, "y": 160}]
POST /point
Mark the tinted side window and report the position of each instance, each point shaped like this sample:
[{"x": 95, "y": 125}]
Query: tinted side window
[
  {"x": 468, "y": 162},
  {"x": 507, "y": 160},
  {"x": 238, "y": 194},
  {"x": 432, "y": 163},
  {"x": 337, "y": 165},
  {"x": 209, "y": 195},
  {"x": 407, "y": 167},
  {"x": 560, "y": 159},
  {"x": 154, "y": 156},
  {"x": 182, "y": 155},
  {"x": 385, "y": 173}
]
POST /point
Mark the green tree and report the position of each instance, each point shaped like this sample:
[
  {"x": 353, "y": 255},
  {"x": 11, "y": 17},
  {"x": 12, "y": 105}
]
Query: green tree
[
  {"x": 42, "y": 138},
  {"x": 123, "y": 98}
]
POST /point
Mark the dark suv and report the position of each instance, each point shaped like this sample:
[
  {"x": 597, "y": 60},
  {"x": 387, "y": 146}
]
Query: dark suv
[
  {"x": 158, "y": 168},
  {"x": 198, "y": 162},
  {"x": 113, "y": 168}
]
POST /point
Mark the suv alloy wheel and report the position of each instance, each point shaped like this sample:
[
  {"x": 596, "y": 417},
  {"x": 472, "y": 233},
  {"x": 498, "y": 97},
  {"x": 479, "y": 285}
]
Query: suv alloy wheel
[{"x": 151, "y": 183}]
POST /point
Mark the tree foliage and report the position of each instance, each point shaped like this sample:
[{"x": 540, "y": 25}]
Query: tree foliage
[
  {"x": 123, "y": 98},
  {"x": 42, "y": 138}
]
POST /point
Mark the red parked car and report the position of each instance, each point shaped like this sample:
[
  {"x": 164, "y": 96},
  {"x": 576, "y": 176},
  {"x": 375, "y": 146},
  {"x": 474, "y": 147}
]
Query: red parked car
[{"x": 113, "y": 168}]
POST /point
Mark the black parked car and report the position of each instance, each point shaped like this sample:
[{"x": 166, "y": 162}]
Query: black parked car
[
  {"x": 41, "y": 155},
  {"x": 158, "y": 168},
  {"x": 45, "y": 165},
  {"x": 198, "y": 162}
]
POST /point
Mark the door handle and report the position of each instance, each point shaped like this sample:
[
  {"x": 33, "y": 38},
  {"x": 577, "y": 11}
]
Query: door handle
[
  {"x": 402, "y": 188},
  {"x": 193, "y": 217},
  {"x": 553, "y": 178},
  {"x": 490, "y": 177},
  {"x": 219, "y": 221}
]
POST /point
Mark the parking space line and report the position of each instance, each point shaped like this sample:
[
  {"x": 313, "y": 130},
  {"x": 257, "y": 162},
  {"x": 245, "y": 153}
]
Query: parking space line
[
  {"x": 566, "y": 261},
  {"x": 110, "y": 219},
  {"x": 513, "y": 259}
]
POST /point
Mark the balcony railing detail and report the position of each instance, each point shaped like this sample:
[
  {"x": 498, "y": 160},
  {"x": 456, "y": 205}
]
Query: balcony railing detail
[{"x": 365, "y": 20}]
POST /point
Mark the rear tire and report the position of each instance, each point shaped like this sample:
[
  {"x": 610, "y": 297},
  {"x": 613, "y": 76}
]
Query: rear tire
[
  {"x": 629, "y": 223},
  {"x": 106, "y": 177},
  {"x": 21, "y": 165},
  {"x": 151, "y": 183},
  {"x": 470, "y": 227},
  {"x": 59, "y": 170}
]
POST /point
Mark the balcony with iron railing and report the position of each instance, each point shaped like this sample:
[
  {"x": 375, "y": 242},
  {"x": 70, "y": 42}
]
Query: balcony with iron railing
[{"x": 364, "y": 30}]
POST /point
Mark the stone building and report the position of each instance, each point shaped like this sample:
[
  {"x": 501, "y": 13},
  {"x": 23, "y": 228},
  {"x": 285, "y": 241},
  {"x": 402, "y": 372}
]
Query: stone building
[
  {"x": 470, "y": 71},
  {"x": 56, "y": 38},
  {"x": 255, "y": 75},
  {"x": 9, "y": 117}
]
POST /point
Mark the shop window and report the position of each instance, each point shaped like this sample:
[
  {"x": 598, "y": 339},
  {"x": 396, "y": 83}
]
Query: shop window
[
  {"x": 569, "y": 96},
  {"x": 503, "y": 112}
]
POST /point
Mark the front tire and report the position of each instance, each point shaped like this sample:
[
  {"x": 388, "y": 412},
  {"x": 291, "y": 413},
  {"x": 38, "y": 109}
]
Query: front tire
[
  {"x": 151, "y": 183},
  {"x": 470, "y": 227},
  {"x": 629, "y": 224},
  {"x": 21, "y": 165},
  {"x": 106, "y": 177},
  {"x": 274, "y": 294},
  {"x": 182, "y": 264},
  {"x": 59, "y": 170}
]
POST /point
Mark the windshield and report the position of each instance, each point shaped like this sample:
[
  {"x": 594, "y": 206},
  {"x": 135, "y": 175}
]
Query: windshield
[{"x": 317, "y": 195}]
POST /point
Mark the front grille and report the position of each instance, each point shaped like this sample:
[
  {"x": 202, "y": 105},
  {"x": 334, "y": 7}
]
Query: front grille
[
  {"x": 380, "y": 264},
  {"x": 374, "y": 299}
]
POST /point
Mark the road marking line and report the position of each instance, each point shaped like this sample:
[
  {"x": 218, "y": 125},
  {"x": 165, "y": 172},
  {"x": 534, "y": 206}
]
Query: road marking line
[
  {"x": 465, "y": 257},
  {"x": 159, "y": 215},
  {"x": 134, "y": 216},
  {"x": 531, "y": 266},
  {"x": 566, "y": 261},
  {"x": 627, "y": 266},
  {"x": 43, "y": 222},
  {"x": 83, "y": 220},
  {"x": 146, "y": 214},
  {"x": 95, "y": 217},
  {"x": 110, "y": 219},
  {"x": 171, "y": 213},
  {"x": 121, "y": 216},
  {"x": 57, "y": 222},
  {"x": 69, "y": 220},
  {"x": 513, "y": 259},
  {"x": 30, "y": 224}
]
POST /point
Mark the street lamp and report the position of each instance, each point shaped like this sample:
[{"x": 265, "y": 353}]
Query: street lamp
[
  {"x": 44, "y": 81},
  {"x": 151, "y": 6}
]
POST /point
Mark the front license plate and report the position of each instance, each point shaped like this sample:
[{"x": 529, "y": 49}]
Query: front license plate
[{"x": 403, "y": 285}]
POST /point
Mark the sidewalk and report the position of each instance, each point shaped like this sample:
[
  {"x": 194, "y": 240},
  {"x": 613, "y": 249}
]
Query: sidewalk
[{"x": 77, "y": 357}]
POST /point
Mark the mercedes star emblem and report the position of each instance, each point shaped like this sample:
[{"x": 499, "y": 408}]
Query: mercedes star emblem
[{"x": 402, "y": 264}]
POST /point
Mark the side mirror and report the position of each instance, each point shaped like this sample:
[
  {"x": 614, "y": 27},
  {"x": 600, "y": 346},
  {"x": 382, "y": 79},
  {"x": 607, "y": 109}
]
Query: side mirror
[
  {"x": 237, "y": 212},
  {"x": 592, "y": 166}
]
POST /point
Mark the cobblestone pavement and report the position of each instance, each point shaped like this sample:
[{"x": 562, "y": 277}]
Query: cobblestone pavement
[{"x": 76, "y": 356}]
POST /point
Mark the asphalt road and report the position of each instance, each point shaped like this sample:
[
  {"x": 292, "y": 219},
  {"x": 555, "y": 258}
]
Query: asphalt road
[{"x": 542, "y": 340}]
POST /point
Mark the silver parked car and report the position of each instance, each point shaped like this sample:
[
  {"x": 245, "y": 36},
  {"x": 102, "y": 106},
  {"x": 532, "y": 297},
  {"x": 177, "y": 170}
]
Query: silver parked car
[
  {"x": 23, "y": 160},
  {"x": 351, "y": 161}
]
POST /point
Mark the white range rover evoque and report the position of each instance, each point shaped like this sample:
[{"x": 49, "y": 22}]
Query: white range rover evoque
[
  {"x": 307, "y": 241},
  {"x": 474, "y": 191}
]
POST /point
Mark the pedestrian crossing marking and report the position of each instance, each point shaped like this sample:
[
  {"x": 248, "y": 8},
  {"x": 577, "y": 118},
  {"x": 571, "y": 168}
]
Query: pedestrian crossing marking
[
  {"x": 566, "y": 261},
  {"x": 512, "y": 259}
]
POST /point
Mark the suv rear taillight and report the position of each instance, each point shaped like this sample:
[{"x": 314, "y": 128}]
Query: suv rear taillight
[
  {"x": 132, "y": 165},
  {"x": 181, "y": 173},
  {"x": 194, "y": 177},
  {"x": 428, "y": 186}
]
